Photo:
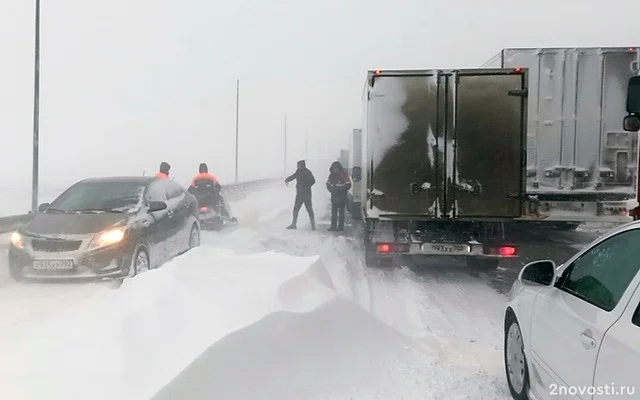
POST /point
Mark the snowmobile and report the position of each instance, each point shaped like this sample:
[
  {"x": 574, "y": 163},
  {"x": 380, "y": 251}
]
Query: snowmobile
[{"x": 214, "y": 212}]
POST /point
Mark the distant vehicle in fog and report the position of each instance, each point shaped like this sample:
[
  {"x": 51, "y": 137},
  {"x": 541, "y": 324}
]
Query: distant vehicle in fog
[{"x": 106, "y": 228}]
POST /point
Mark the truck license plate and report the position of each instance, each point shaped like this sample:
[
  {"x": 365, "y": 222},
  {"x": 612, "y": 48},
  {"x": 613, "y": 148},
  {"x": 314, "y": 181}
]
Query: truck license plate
[
  {"x": 53, "y": 265},
  {"x": 446, "y": 248}
]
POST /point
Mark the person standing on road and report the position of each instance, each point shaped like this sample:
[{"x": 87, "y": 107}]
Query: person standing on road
[
  {"x": 338, "y": 184},
  {"x": 164, "y": 170},
  {"x": 304, "y": 181}
]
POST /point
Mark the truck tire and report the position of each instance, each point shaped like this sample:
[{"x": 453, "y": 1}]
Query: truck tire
[
  {"x": 567, "y": 226},
  {"x": 356, "y": 211},
  {"x": 483, "y": 264}
]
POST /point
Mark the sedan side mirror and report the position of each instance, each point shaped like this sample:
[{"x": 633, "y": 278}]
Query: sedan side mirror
[
  {"x": 43, "y": 207},
  {"x": 539, "y": 273},
  {"x": 157, "y": 206}
]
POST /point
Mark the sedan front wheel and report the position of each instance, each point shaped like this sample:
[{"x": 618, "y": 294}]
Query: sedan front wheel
[
  {"x": 515, "y": 361},
  {"x": 139, "y": 262},
  {"x": 194, "y": 237}
]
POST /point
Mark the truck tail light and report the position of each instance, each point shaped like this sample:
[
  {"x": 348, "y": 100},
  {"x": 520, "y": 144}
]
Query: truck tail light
[
  {"x": 504, "y": 251},
  {"x": 507, "y": 250},
  {"x": 387, "y": 248}
]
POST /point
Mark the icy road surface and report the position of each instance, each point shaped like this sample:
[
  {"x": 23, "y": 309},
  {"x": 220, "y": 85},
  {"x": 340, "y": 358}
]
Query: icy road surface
[{"x": 258, "y": 312}]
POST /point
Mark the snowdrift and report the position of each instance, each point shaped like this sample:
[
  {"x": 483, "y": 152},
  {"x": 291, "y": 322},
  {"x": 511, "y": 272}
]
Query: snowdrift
[
  {"x": 129, "y": 342},
  {"x": 335, "y": 351}
]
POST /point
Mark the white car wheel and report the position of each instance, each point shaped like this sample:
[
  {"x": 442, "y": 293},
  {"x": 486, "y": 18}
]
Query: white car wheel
[{"x": 515, "y": 361}]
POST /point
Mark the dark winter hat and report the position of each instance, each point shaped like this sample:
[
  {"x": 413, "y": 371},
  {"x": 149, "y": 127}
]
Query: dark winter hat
[
  {"x": 336, "y": 166},
  {"x": 165, "y": 167},
  {"x": 203, "y": 168},
  {"x": 302, "y": 164}
]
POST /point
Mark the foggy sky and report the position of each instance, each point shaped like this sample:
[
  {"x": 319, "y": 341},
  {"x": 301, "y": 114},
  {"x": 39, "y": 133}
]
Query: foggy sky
[{"x": 126, "y": 84}]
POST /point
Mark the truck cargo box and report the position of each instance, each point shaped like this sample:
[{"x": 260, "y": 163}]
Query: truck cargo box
[
  {"x": 580, "y": 161},
  {"x": 445, "y": 143}
]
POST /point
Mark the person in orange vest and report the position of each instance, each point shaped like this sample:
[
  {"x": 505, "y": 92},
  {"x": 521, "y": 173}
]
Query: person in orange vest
[
  {"x": 164, "y": 170},
  {"x": 204, "y": 174},
  {"x": 204, "y": 177}
]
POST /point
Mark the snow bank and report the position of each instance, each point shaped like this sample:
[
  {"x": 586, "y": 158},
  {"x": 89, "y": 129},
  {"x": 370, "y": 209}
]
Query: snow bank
[
  {"x": 127, "y": 343},
  {"x": 438, "y": 317},
  {"x": 336, "y": 351}
]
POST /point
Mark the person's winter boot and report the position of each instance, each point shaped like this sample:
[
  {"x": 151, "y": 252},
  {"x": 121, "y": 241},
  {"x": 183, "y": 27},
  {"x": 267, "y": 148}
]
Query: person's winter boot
[
  {"x": 292, "y": 226},
  {"x": 313, "y": 225}
]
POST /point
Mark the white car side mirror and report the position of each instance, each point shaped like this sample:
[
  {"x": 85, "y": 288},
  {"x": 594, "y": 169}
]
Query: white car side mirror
[{"x": 541, "y": 272}]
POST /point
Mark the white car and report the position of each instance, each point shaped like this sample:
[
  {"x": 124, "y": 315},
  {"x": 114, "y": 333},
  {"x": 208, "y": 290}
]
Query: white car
[{"x": 573, "y": 331}]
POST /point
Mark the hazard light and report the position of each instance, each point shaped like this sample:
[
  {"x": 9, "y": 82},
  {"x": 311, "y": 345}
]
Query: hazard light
[
  {"x": 503, "y": 251},
  {"x": 507, "y": 250},
  {"x": 204, "y": 209},
  {"x": 377, "y": 72},
  {"x": 393, "y": 248},
  {"x": 517, "y": 70}
]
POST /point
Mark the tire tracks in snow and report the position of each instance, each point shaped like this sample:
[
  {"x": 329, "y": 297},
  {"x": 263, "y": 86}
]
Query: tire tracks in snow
[{"x": 464, "y": 315}]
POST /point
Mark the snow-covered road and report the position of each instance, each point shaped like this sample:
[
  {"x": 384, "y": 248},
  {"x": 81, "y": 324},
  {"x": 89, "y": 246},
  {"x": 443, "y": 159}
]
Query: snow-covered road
[{"x": 265, "y": 313}]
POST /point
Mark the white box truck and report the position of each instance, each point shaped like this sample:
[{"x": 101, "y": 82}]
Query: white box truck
[{"x": 581, "y": 164}]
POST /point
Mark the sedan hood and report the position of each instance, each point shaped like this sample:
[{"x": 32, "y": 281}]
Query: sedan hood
[{"x": 72, "y": 224}]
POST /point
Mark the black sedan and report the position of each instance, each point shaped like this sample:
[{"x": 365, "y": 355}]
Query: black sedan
[{"x": 106, "y": 228}]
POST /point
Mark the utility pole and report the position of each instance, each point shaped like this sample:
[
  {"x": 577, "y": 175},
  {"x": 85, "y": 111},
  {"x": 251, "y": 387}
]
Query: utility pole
[
  {"x": 36, "y": 113},
  {"x": 285, "y": 145},
  {"x": 237, "y": 119}
]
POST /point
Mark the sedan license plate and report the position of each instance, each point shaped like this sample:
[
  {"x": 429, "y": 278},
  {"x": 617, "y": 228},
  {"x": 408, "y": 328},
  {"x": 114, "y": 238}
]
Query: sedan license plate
[
  {"x": 451, "y": 249},
  {"x": 53, "y": 265}
]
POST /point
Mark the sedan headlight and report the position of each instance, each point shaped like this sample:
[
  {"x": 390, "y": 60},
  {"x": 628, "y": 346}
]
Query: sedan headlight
[
  {"x": 17, "y": 240},
  {"x": 109, "y": 237}
]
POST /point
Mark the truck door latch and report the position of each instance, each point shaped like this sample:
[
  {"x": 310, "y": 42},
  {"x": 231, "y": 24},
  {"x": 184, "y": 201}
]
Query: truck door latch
[{"x": 519, "y": 92}]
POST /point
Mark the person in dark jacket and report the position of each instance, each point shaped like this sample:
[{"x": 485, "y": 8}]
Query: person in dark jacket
[
  {"x": 338, "y": 184},
  {"x": 304, "y": 181},
  {"x": 164, "y": 170}
]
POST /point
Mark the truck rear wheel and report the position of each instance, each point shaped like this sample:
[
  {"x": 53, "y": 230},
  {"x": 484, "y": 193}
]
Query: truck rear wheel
[
  {"x": 567, "y": 226},
  {"x": 483, "y": 264}
]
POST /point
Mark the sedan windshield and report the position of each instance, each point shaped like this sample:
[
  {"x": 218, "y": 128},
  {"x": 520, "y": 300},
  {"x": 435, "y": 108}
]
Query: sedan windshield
[{"x": 99, "y": 197}]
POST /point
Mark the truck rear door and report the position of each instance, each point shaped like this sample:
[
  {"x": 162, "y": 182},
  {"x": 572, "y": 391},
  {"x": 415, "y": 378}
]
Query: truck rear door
[
  {"x": 488, "y": 139},
  {"x": 446, "y": 143}
]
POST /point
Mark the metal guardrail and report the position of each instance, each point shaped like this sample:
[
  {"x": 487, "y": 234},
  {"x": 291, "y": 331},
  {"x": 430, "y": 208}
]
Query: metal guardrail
[{"x": 13, "y": 222}]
